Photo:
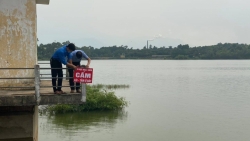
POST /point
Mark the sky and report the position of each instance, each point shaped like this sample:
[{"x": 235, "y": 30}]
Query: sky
[{"x": 100, "y": 23}]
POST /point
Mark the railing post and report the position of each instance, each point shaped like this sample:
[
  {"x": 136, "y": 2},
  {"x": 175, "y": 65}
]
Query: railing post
[
  {"x": 67, "y": 73},
  {"x": 83, "y": 92},
  {"x": 37, "y": 83}
]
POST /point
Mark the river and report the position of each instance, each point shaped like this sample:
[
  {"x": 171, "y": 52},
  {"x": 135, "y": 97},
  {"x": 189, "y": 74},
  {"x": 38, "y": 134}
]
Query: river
[{"x": 169, "y": 100}]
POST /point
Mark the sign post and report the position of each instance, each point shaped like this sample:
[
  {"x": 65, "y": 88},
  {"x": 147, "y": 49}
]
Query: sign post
[{"x": 83, "y": 76}]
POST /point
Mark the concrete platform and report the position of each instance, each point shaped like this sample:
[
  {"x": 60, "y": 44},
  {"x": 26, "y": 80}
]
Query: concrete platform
[{"x": 27, "y": 97}]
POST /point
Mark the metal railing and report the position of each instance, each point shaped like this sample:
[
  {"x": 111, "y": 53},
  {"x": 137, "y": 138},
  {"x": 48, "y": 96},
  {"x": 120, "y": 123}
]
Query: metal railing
[
  {"x": 66, "y": 74},
  {"x": 37, "y": 81}
]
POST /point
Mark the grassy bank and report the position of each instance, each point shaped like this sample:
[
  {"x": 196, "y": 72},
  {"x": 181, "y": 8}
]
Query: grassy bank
[{"x": 97, "y": 99}]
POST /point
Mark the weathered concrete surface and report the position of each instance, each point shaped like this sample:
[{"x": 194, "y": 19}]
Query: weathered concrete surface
[
  {"x": 27, "y": 97},
  {"x": 18, "y": 38},
  {"x": 19, "y": 122}
]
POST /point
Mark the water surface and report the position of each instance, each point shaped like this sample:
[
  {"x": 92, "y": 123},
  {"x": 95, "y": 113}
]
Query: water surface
[{"x": 189, "y": 100}]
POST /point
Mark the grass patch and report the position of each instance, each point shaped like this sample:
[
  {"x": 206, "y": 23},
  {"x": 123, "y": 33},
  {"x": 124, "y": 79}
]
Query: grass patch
[
  {"x": 96, "y": 99},
  {"x": 113, "y": 86}
]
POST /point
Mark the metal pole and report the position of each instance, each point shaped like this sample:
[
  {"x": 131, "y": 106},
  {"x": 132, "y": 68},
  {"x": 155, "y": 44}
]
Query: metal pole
[
  {"x": 83, "y": 92},
  {"x": 67, "y": 73},
  {"x": 37, "y": 83},
  {"x": 147, "y": 44}
]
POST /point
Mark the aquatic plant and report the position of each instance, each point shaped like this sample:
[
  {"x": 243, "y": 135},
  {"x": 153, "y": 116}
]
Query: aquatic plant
[
  {"x": 97, "y": 99},
  {"x": 110, "y": 86}
]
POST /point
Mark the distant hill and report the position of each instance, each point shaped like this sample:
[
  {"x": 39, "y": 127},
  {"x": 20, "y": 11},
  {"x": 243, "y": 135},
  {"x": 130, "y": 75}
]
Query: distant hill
[{"x": 219, "y": 51}]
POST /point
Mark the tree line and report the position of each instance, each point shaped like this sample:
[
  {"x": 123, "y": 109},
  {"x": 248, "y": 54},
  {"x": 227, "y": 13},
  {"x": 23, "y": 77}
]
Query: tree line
[{"x": 219, "y": 51}]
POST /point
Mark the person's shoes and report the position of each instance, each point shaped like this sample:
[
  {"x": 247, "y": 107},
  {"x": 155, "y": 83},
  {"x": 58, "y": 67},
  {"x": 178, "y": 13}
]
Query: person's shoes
[
  {"x": 72, "y": 91},
  {"x": 61, "y": 92},
  {"x": 57, "y": 92}
]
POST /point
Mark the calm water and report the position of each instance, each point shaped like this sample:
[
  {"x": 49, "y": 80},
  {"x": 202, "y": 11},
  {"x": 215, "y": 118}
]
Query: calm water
[{"x": 169, "y": 101}]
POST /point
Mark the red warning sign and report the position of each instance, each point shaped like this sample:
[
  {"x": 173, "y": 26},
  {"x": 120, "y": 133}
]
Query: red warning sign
[{"x": 83, "y": 75}]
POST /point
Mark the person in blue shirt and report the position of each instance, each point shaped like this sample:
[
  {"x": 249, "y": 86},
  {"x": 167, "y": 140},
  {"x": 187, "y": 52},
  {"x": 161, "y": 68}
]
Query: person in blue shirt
[
  {"x": 75, "y": 59},
  {"x": 56, "y": 61}
]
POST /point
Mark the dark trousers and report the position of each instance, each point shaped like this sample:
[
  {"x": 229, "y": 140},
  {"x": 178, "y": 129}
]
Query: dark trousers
[
  {"x": 56, "y": 72},
  {"x": 71, "y": 82}
]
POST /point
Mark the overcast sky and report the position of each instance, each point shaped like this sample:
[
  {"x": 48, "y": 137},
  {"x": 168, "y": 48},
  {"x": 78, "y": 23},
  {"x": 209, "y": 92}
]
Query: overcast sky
[{"x": 100, "y": 23}]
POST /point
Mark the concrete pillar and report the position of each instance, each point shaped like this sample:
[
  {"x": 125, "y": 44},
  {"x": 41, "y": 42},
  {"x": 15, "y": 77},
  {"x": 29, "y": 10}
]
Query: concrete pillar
[
  {"x": 18, "y": 40},
  {"x": 18, "y": 46},
  {"x": 19, "y": 122}
]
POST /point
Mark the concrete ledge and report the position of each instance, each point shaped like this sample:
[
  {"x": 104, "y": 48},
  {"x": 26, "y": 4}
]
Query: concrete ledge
[
  {"x": 46, "y": 99},
  {"x": 61, "y": 99},
  {"x": 19, "y": 100},
  {"x": 27, "y": 97}
]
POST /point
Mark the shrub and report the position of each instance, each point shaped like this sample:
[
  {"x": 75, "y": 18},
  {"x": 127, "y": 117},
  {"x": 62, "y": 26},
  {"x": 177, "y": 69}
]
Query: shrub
[{"x": 96, "y": 99}]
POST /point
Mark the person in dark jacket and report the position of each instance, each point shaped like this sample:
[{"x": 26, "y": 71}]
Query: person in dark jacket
[{"x": 56, "y": 61}]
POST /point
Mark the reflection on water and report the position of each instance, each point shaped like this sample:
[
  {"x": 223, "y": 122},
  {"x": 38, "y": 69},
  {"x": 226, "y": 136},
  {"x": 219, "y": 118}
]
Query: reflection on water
[{"x": 69, "y": 124}]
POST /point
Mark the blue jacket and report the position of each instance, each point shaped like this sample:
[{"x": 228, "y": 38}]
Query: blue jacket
[{"x": 60, "y": 54}]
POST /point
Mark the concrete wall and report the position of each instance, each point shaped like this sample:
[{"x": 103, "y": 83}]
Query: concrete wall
[
  {"x": 19, "y": 122},
  {"x": 35, "y": 124},
  {"x": 18, "y": 40}
]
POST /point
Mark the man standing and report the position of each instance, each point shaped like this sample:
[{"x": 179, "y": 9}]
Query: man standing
[
  {"x": 75, "y": 59},
  {"x": 56, "y": 61}
]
